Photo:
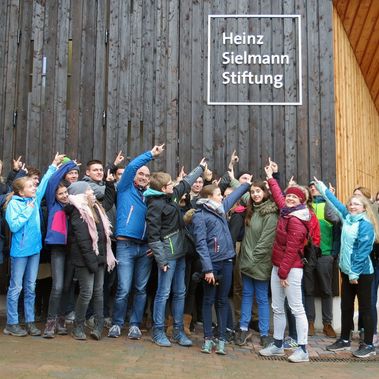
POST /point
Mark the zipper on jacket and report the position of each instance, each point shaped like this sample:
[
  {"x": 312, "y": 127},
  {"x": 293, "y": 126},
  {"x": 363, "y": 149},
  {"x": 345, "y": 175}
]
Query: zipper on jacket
[
  {"x": 215, "y": 245},
  {"x": 130, "y": 214}
]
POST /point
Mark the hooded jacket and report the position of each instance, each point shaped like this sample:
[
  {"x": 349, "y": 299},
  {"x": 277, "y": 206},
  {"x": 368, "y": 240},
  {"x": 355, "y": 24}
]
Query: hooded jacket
[
  {"x": 291, "y": 234},
  {"x": 24, "y": 220},
  {"x": 164, "y": 220},
  {"x": 256, "y": 249},
  {"x": 211, "y": 231},
  {"x": 357, "y": 237}
]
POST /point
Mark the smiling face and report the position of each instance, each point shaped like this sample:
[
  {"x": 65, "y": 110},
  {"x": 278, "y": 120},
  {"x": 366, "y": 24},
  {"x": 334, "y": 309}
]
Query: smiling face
[
  {"x": 61, "y": 195},
  {"x": 355, "y": 206},
  {"x": 142, "y": 177},
  {"x": 197, "y": 186},
  {"x": 292, "y": 200},
  {"x": 313, "y": 190},
  {"x": 72, "y": 176},
  {"x": 95, "y": 172},
  {"x": 29, "y": 189},
  {"x": 257, "y": 194}
]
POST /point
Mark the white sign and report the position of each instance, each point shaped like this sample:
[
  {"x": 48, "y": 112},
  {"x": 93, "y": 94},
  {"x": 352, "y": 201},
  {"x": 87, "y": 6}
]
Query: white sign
[{"x": 254, "y": 60}]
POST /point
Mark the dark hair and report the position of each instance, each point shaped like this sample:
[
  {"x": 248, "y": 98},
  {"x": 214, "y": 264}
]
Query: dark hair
[
  {"x": 92, "y": 162},
  {"x": 33, "y": 171},
  {"x": 208, "y": 190},
  {"x": 250, "y": 205}
]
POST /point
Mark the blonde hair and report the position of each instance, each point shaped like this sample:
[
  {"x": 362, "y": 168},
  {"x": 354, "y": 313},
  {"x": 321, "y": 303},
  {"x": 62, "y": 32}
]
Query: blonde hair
[
  {"x": 159, "y": 179},
  {"x": 369, "y": 212},
  {"x": 18, "y": 185}
]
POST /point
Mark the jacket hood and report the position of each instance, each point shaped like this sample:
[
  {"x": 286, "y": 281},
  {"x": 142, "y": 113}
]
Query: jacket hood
[
  {"x": 88, "y": 179},
  {"x": 151, "y": 193},
  {"x": 266, "y": 208}
]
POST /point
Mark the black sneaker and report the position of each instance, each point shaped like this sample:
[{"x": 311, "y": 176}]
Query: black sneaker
[
  {"x": 339, "y": 345},
  {"x": 32, "y": 329},
  {"x": 14, "y": 330},
  {"x": 242, "y": 337},
  {"x": 364, "y": 351}
]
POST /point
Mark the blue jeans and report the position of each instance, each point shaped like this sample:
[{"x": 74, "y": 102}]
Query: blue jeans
[
  {"x": 133, "y": 267},
  {"x": 171, "y": 280},
  {"x": 217, "y": 295},
  {"x": 250, "y": 287},
  {"x": 24, "y": 271}
]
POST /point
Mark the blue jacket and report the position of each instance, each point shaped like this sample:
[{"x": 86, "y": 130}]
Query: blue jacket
[
  {"x": 56, "y": 220},
  {"x": 24, "y": 221},
  {"x": 357, "y": 238},
  {"x": 211, "y": 231},
  {"x": 131, "y": 206}
]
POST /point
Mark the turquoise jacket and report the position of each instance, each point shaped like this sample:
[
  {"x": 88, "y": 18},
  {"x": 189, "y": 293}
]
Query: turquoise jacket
[
  {"x": 24, "y": 221},
  {"x": 357, "y": 238}
]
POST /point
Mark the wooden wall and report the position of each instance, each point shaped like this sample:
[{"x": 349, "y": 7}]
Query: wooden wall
[
  {"x": 357, "y": 120},
  {"x": 136, "y": 76}
]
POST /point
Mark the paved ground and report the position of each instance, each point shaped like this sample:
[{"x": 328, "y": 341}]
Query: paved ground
[{"x": 63, "y": 357}]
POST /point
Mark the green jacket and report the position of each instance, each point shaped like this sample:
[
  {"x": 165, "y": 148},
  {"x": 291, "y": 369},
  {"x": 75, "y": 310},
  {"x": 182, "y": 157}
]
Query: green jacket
[{"x": 256, "y": 249}]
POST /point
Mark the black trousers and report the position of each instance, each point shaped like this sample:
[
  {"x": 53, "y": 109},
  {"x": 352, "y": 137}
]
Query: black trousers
[{"x": 348, "y": 293}]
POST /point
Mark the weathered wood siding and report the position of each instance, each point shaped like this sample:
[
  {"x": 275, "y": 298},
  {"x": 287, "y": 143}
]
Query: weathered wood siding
[
  {"x": 357, "y": 120},
  {"x": 136, "y": 76}
]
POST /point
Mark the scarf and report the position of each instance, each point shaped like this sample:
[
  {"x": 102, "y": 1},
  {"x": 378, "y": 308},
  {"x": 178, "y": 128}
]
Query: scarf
[
  {"x": 285, "y": 211},
  {"x": 80, "y": 202},
  {"x": 216, "y": 207}
]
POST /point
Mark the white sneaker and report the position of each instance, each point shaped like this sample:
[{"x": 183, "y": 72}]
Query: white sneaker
[
  {"x": 271, "y": 350},
  {"x": 375, "y": 340},
  {"x": 114, "y": 331},
  {"x": 299, "y": 356}
]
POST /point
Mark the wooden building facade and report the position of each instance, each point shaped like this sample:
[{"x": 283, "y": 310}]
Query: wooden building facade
[{"x": 92, "y": 77}]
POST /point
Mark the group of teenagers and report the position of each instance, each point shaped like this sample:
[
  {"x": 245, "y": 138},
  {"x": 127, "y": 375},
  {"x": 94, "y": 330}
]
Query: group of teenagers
[{"x": 121, "y": 219}]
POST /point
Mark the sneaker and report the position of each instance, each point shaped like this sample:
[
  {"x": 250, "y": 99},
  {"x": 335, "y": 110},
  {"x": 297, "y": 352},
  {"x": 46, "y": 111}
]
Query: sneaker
[
  {"x": 289, "y": 343},
  {"x": 208, "y": 346},
  {"x": 160, "y": 338},
  {"x": 220, "y": 347},
  {"x": 61, "y": 326},
  {"x": 114, "y": 331},
  {"x": 14, "y": 330},
  {"x": 265, "y": 341},
  {"x": 375, "y": 340},
  {"x": 329, "y": 331},
  {"x": 96, "y": 334},
  {"x": 272, "y": 350},
  {"x": 32, "y": 329},
  {"x": 78, "y": 333},
  {"x": 339, "y": 345},
  {"x": 364, "y": 351},
  {"x": 49, "y": 331},
  {"x": 70, "y": 317},
  {"x": 134, "y": 332},
  {"x": 298, "y": 356},
  {"x": 180, "y": 337},
  {"x": 242, "y": 337},
  {"x": 230, "y": 335},
  {"x": 90, "y": 323}
]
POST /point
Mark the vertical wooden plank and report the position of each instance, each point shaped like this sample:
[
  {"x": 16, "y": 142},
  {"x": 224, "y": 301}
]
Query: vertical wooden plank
[
  {"x": 117, "y": 96},
  {"x": 266, "y": 91},
  {"x": 87, "y": 88},
  {"x": 72, "y": 140},
  {"x": 148, "y": 45},
  {"x": 135, "y": 73},
  {"x": 278, "y": 154},
  {"x": 208, "y": 111},
  {"x": 23, "y": 78},
  {"x": 48, "y": 81},
  {"x": 314, "y": 132},
  {"x": 326, "y": 94},
  {"x": 34, "y": 112},
  {"x": 243, "y": 147},
  {"x": 100, "y": 79},
  {"x": 190, "y": 132},
  {"x": 302, "y": 110}
]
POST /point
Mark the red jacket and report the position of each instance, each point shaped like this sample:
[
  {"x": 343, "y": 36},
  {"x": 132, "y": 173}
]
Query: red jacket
[{"x": 291, "y": 234}]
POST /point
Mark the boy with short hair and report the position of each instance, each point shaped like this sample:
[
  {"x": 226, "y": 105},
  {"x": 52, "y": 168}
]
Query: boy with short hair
[{"x": 166, "y": 237}]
